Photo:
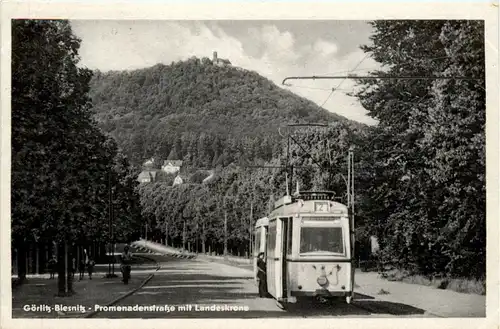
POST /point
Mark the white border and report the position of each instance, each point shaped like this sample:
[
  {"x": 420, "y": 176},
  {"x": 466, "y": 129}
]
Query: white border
[{"x": 259, "y": 11}]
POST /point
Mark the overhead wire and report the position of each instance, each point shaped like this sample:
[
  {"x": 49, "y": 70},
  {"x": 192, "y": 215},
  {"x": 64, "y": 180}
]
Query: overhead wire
[
  {"x": 341, "y": 82},
  {"x": 399, "y": 64}
]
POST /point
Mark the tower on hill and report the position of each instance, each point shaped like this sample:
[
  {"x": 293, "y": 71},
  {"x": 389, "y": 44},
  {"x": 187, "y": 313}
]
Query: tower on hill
[{"x": 220, "y": 61}]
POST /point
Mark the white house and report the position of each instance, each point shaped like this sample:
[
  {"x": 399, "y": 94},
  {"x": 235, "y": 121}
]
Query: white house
[
  {"x": 149, "y": 162},
  {"x": 171, "y": 166},
  {"x": 177, "y": 181},
  {"x": 147, "y": 176}
]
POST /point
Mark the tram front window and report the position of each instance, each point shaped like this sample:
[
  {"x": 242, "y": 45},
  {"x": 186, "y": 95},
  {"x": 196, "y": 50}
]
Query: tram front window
[{"x": 321, "y": 239}]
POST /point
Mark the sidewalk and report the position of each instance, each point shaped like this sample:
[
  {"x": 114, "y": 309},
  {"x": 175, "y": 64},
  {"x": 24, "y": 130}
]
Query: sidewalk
[{"x": 42, "y": 292}]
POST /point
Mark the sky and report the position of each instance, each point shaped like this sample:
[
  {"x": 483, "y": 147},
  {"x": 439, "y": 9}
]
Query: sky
[{"x": 274, "y": 49}]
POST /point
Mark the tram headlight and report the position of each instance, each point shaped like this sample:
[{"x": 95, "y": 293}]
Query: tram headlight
[{"x": 322, "y": 281}]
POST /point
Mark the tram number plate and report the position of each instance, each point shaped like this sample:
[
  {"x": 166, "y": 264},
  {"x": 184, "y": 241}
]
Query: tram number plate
[{"x": 321, "y": 206}]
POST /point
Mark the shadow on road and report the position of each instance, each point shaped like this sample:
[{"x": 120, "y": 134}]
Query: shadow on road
[{"x": 384, "y": 307}]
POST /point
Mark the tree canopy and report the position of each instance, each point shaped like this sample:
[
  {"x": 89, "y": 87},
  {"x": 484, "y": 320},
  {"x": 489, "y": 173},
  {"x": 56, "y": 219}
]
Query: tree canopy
[{"x": 426, "y": 195}]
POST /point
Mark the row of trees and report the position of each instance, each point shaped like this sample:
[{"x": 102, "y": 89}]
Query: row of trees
[
  {"x": 64, "y": 169},
  {"x": 195, "y": 214}
]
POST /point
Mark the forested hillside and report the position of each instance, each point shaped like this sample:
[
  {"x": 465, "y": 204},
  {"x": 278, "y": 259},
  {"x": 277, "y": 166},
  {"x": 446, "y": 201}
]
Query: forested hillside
[{"x": 192, "y": 110}]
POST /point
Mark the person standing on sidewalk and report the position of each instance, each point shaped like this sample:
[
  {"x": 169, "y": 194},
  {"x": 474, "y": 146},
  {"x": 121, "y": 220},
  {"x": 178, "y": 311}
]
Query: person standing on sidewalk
[
  {"x": 81, "y": 269},
  {"x": 126, "y": 259}
]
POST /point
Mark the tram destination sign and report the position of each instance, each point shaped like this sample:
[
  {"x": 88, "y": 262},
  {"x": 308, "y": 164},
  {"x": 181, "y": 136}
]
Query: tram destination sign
[{"x": 321, "y": 206}]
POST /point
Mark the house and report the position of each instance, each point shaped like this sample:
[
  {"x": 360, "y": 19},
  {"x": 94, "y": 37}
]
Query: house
[
  {"x": 149, "y": 162},
  {"x": 220, "y": 61},
  {"x": 147, "y": 176},
  {"x": 171, "y": 166},
  {"x": 178, "y": 180}
]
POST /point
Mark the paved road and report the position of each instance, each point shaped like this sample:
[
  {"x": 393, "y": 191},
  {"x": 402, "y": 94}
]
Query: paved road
[{"x": 183, "y": 286}]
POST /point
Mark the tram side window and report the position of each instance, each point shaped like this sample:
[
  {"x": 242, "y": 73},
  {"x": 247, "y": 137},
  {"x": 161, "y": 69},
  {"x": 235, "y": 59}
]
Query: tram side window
[
  {"x": 271, "y": 241},
  {"x": 258, "y": 236}
]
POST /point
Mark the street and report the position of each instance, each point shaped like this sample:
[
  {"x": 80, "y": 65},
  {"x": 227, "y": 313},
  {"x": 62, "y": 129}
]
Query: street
[{"x": 188, "y": 285}]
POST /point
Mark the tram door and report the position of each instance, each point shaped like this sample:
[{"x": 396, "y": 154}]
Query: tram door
[{"x": 280, "y": 257}]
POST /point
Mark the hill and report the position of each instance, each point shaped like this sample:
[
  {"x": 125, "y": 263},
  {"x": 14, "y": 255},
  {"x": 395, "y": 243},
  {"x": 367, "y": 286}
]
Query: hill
[{"x": 198, "y": 112}]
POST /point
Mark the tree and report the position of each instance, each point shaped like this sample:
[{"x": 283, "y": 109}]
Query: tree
[
  {"x": 428, "y": 146},
  {"x": 59, "y": 156}
]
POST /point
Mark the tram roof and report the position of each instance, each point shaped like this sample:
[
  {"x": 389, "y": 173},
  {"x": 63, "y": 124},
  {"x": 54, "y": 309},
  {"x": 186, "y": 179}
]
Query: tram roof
[
  {"x": 304, "y": 202},
  {"x": 264, "y": 221}
]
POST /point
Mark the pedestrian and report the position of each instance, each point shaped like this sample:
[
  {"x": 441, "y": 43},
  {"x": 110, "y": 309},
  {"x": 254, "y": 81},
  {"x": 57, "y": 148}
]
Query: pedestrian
[
  {"x": 90, "y": 267},
  {"x": 52, "y": 266},
  {"x": 81, "y": 269},
  {"x": 126, "y": 258}
]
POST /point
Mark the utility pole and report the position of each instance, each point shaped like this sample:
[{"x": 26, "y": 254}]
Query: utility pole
[
  {"x": 203, "y": 247},
  {"x": 146, "y": 237},
  {"x": 166, "y": 233},
  {"x": 225, "y": 232},
  {"x": 111, "y": 256},
  {"x": 250, "y": 231},
  {"x": 184, "y": 235},
  {"x": 350, "y": 196}
]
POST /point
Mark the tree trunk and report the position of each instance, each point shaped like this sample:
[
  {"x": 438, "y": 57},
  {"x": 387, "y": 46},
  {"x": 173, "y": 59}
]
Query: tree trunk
[
  {"x": 65, "y": 280},
  {"x": 37, "y": 259},
  {"x": 21, "y": 265}
]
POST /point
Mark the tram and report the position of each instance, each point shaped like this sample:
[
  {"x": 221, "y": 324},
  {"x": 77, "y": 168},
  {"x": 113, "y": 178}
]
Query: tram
[{"x": 307, "y": 241}]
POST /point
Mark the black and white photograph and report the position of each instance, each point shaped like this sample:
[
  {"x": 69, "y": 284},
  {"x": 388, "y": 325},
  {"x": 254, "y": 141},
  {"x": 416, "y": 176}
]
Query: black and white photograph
[{"x": 249, "y": 168}]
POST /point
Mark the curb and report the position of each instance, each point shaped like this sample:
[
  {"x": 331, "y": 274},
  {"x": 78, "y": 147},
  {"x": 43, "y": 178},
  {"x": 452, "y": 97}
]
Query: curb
[{"x": 91, "y": 314}]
